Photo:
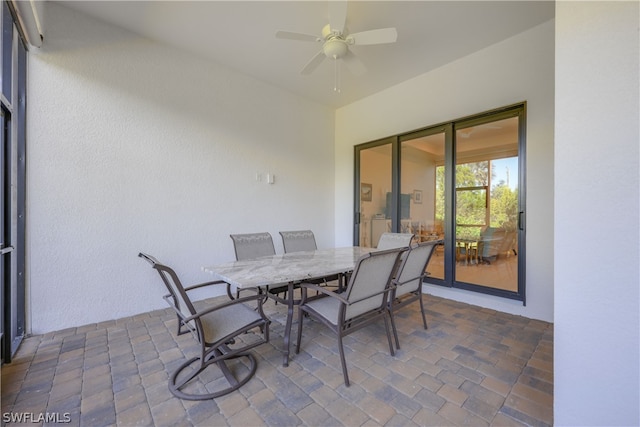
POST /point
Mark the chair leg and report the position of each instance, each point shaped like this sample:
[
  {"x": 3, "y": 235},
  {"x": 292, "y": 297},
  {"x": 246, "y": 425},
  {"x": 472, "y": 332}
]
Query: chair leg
[
  {"x": 343, "y": 361},
  {"x": 300, "y": 317},
  {"x": 179, "y": 325},
  {"x": 393, "y": 327},
  {"x": 234, "y": 379},
  {"x": 231, "y": 297},
  {"x": 424, "y": 318},
  {"x": 386, "y": 327}
]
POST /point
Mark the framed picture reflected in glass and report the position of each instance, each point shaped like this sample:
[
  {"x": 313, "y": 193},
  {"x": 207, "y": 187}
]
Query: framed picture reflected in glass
[
  {"x": 365, "y": 192},
  {"x": 417, "y": 197}
]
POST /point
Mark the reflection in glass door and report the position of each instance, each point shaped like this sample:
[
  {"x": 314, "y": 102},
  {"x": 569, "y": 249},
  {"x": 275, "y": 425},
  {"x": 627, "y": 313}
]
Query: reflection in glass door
[
  {"x": 375, "y": 184},
  {"x": 422, "y": 180},
  {"x": 486, "y": 204}
]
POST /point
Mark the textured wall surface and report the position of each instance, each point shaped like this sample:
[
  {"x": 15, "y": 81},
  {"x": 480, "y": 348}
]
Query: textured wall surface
[
  {"x": 597, "y": 293},
  {"x": 134, "y": 146}
]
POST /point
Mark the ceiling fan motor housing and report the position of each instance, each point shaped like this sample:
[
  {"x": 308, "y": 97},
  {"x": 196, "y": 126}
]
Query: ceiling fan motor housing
[
  {"x": 335, "y": 45},
  {"x": 334, "y": 48}
]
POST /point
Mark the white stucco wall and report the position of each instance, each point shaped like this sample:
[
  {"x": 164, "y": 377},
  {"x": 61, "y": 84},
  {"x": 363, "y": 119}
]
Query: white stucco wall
[
  {"x": 597, "y": 295},
  {"x": 134, "y": 146},
  {"x": 518, "y": 69}
]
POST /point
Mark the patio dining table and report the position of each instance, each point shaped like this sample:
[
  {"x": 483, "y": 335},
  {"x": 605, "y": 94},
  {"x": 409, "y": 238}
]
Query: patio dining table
[{"x": 288, "y": 269}]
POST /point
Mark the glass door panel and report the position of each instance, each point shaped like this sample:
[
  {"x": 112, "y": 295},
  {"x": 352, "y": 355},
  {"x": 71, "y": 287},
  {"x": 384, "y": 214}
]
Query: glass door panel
[
  {"x": 461, "y": 182},
  {"x": 375, "y": 184},
  {"x": 422, "y": 184},
  {"x": 486, "y": 204}
]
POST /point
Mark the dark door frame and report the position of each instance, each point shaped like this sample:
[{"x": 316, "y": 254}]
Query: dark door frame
[
  {"x": 449, "y": 128},
  {"x": 12, "y": 186}
]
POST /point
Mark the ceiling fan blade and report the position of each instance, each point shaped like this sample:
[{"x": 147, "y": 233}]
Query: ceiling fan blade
[
  {"x": 313, "y": 63},
  {"x": 297, "y": 36},
  {"x": 337, "y": 15},
  {"x": 379, "y": 36},
  {"x": 353, "y": 63}
]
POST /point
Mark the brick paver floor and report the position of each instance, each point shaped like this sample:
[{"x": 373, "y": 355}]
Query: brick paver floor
[{"x": 473, "y": 366}]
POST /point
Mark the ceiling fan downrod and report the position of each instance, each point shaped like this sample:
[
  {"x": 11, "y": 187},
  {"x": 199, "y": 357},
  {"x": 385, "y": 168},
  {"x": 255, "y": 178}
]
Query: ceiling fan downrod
[{"x": 336, "y": 75}]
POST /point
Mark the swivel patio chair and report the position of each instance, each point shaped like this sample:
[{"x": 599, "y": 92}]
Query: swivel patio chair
[
  {"x": 395, "y": 240},
  {"x": 218, "y": 329},
  {"x": 363, "y": 302},
  {"x": 408, "y": 281}
]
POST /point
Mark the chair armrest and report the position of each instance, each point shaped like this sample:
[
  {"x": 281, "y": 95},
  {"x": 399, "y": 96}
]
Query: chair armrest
[
  {"x": 201, "y": 285},
  {"x": 397, "y": 283},
  {"x": 259, "y": 297},
  {"x": 322, "y": 290},
  {"x": 218, "y": 282}
]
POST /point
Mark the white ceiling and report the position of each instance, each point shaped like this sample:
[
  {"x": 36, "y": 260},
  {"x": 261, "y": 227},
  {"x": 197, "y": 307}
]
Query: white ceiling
[{"x": 241, "y": 36}]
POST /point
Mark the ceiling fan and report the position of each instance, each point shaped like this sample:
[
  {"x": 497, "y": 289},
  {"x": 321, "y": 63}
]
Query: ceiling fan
[{"x": 336, "y": 41}]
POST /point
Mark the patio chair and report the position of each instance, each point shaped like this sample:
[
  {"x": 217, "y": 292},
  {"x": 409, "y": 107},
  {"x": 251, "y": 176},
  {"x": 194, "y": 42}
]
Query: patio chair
[
  {"x": 217, "y": 328},
  {"x": 254, "y": 245},
  {"x": 296, "y": 241},
  {"x": 467, "y": 251},
  {"x": 408, "y": 281},
  {"x": 395, "y": 240},
  {"x": 304, "y": 240},
  {"x": 363, "y": 302}
]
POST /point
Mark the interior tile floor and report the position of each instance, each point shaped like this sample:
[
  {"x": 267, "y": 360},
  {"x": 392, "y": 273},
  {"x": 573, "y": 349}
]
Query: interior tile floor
[
  {"x": 501, "y": 273},
  {"x": 473, "y": 366}
]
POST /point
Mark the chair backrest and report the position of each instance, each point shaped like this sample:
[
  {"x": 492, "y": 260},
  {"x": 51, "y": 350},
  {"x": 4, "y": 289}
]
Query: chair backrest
[
  {"x": 411, "y": 272},
  {"x": 177, "y": 297},
  {"x": 395, "y": 240},
  {"x": 491, "y": 239},
  {"x": 371, "y": 275},
  {"x": 296, "y": 241},
  {"x": 252, "y": 245}
]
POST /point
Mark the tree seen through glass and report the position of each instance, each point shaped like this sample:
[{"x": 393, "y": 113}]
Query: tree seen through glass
[{"x": 473, "y": 211}]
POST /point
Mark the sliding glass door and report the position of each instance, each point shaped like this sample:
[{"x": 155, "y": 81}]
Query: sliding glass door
[
  {"x": 460, "y": 182},
  {"x": 486, "y": 203},
  {"x": 422, "y": 163},
  {"x": 13, "y": 75},
  {"x": 375, "y": 187}
]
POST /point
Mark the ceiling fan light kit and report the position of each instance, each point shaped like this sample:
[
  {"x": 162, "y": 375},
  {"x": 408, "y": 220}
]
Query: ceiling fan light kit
[
  {"x": 336, "y": 41},
  {"x": 334, "y": 48}
]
